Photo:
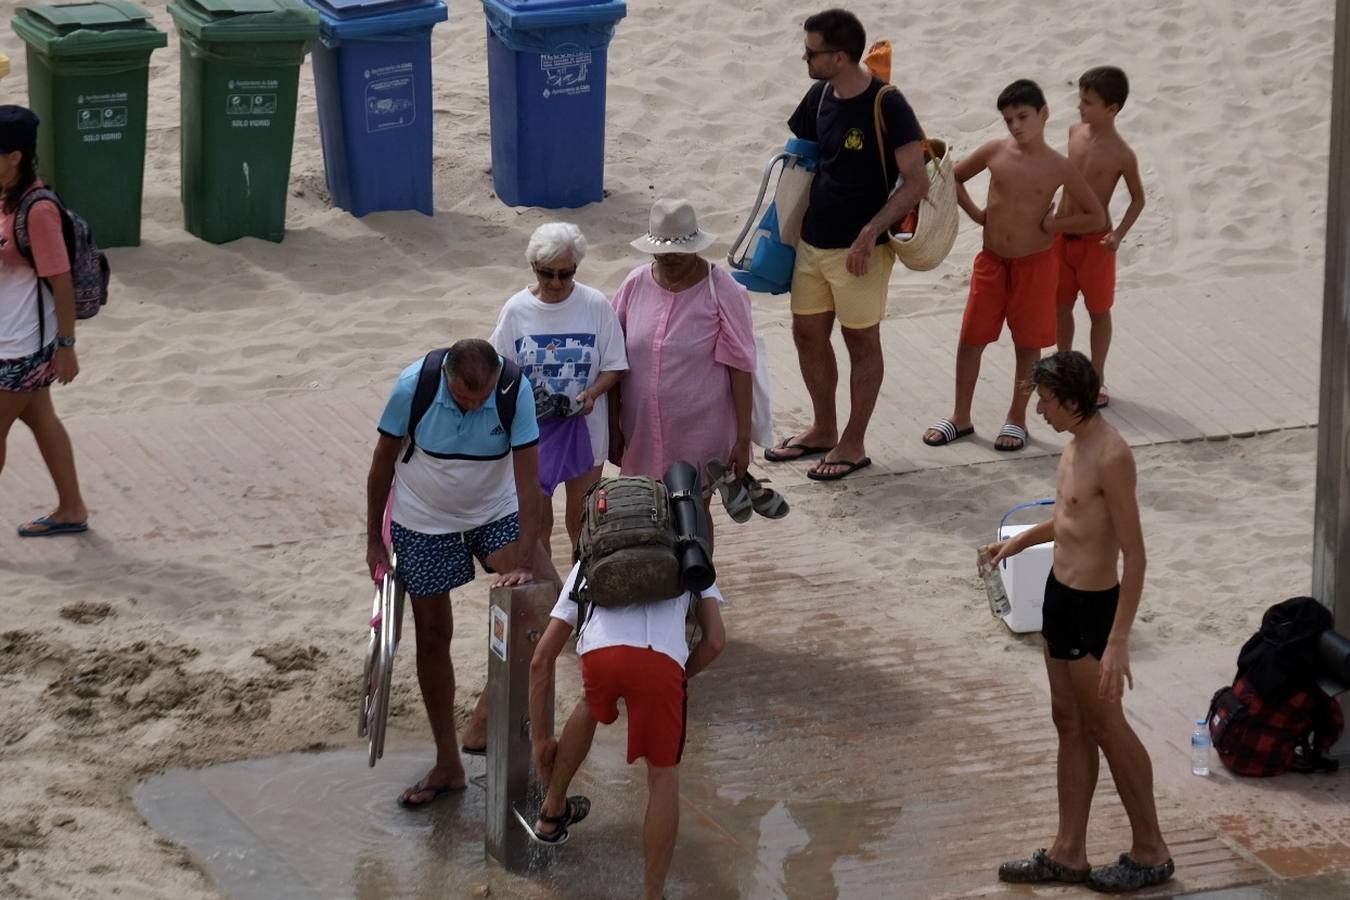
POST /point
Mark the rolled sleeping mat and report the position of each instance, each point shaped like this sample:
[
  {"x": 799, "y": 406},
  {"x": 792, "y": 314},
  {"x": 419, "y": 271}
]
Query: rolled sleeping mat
[
  {"x": 686, "y": 507},
  {"x": 1333, "y": 652}
]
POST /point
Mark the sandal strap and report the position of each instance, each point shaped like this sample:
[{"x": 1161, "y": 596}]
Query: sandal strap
[
  {"x": 1011, "y": 430},
  {"x": 946, "y": 427}
]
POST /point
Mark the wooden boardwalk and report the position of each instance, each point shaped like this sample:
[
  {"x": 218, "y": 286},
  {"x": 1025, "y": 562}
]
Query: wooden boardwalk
[{"x": 828, "y": 702}]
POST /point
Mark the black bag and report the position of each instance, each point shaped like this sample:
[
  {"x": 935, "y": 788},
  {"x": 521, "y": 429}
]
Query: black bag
[{"x": 1275, "y": 717}]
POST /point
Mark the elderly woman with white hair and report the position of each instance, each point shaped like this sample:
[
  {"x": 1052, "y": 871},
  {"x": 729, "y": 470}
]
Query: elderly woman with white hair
[{"x": 567, "y": 340}]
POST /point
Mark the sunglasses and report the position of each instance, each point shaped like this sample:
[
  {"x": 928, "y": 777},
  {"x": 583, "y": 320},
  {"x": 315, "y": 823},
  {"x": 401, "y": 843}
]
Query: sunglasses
[
  {"x": 550, "y": 274},
  {"x": 808, "y": 53}
]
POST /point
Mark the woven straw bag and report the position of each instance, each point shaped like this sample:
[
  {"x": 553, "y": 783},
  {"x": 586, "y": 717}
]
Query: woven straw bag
[{"x": 933, "y": 224}]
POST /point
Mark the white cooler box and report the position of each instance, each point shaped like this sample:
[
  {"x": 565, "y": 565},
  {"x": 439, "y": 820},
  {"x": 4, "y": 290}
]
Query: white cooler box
[{"x": 1024, "y": 579}]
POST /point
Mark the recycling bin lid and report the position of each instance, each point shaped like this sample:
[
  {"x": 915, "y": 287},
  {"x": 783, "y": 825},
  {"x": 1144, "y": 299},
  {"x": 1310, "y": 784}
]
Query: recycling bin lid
[
  {"x": 525, "y": 14},
  {"x": 347, "y": 19},
  {"x": 238, "y": 21},
  {"x": 97, "y": 28}
]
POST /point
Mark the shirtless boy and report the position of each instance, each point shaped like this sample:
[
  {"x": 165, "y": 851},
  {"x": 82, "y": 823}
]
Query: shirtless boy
[
  {"x": 1087, "y": 616},
  {"x": 1087, "y": 262},
  {"x": 1014, "y": 275}
]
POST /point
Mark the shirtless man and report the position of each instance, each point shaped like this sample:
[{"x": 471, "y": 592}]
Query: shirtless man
[
  {"x": 1087, "y": 262},
  {"x": 1087, "y": 616},
  {"x": 1014, "y": 275}
]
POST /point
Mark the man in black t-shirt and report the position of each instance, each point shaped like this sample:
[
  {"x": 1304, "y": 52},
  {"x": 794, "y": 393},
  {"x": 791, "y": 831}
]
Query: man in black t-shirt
[{"x": 844, "y": 259}]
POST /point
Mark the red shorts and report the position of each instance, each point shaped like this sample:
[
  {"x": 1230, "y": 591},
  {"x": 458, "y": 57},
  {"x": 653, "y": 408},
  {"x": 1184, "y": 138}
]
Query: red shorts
[
  {"x": 1086, "y": 267},
  {"x": 1020, "y": 290},
  {"x": 652, "y": 686}
]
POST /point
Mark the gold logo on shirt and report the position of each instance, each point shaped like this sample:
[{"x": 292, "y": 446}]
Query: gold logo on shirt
[{"x": 854, "y": 139}]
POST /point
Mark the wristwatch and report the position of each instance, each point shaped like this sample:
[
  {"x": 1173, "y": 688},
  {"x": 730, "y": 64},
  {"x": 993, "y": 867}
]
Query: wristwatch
[{"x": 65, "y": 341}]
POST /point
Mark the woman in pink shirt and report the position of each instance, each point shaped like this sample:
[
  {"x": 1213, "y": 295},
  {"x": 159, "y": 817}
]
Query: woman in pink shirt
[
  {"x": 691, "y": 355},
  {"x": 37, "y": 322}
]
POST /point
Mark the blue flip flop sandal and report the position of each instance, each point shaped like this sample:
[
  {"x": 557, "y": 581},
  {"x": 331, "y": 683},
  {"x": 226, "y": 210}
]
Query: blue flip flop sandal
[{"x": 51, "y": 528}]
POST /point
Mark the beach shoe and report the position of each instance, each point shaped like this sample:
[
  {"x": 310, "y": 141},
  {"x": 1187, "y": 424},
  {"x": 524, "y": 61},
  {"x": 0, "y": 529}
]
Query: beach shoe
[
  {"x": 766, "y": 501},
  {"x": 735, "y": 497},
  {"x": 473, "y": 751},
  {"x": 1103, "y": 398},
  {"x": 850, "y": 466},
  {"x": 948, "y": 432},
  {"x": 776, "y": 454},
  {"x": 1125, "y": 875},
  {"x": 1040, "y": 868},
  {"x": 1014, "y": 433},
  {"x": 406, "y": 801},
  {"x": 45, "y": 526},
  {"x": 577, "y": 808}
]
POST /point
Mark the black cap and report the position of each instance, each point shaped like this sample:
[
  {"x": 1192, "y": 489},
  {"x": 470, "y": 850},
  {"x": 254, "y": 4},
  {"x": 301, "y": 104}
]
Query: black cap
[{"x": 18, "y": 128}]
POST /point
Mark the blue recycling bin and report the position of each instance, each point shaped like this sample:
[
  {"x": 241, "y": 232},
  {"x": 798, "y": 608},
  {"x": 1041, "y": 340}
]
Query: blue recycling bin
[
  {"x": 546, "y": 90},
  {"x": 372, "y": 77}
]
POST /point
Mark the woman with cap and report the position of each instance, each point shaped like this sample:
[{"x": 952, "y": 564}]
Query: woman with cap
[
  {"x": 566, "y": 339},
  {"x": 37, "y": 321},
  {"x": 691, "y": 354}
]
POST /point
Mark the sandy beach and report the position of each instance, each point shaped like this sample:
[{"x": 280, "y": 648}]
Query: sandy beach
[{"x": 121, "y": 659}]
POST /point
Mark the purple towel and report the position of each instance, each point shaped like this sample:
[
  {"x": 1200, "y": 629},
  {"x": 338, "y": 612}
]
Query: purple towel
[{"x": 564, "y": 451}]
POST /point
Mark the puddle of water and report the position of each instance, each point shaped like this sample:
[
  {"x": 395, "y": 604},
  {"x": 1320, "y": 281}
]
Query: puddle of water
[{"x": 325, "y": 825}]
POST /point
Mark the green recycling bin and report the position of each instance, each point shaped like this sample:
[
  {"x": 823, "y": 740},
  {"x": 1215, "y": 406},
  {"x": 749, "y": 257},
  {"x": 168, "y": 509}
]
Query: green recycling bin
[
  {"x": 88, "y": 67},
  {"x": 240, "y": 72}
]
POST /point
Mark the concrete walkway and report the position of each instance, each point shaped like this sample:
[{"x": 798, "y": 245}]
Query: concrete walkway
[{"x": 841, "y": 748}]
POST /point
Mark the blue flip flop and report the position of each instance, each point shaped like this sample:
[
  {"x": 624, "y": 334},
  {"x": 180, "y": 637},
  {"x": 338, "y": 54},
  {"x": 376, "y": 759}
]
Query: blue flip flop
[{"x": 51, "y": 528}]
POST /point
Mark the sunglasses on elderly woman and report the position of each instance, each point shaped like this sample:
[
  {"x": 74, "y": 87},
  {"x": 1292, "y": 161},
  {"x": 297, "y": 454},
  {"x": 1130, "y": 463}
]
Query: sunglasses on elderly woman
[{"x": 550, "y": 274}]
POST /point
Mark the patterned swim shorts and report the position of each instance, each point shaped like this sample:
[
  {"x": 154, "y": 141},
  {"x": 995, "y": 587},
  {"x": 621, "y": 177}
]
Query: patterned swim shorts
[
  {"x": 29, "y": 373},
  {"x": 434, "y": 564}
]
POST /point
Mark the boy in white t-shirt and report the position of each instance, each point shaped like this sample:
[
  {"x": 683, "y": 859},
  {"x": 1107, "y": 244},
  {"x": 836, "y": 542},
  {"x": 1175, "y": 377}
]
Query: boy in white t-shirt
[{"x": 640, "y": 654}]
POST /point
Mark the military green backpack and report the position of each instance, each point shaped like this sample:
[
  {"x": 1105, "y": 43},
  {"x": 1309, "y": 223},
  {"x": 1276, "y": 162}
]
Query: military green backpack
[{"x": 627, "y": 545}]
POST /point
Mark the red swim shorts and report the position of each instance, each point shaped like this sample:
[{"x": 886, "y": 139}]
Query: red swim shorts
[
  {"x": 1086, "y": 266},
  {"x": 653, "y": 689},
  {"x": 1020, "y": 290}
]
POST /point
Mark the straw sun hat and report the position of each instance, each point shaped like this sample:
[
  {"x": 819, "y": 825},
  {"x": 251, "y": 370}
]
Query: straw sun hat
[{"x": 673, "y": 228}]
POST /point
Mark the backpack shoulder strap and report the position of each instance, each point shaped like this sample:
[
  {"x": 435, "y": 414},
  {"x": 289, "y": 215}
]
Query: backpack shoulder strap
[
  {"x": 21, "y": 236},
  {"x": 508, "y": 395},
  {"x": 428, "y": 383}
]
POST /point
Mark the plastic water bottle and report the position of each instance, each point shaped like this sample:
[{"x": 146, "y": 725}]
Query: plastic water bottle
[
  {"x": 1200, "y": 744},
  {"x": 999, "y": 605}
]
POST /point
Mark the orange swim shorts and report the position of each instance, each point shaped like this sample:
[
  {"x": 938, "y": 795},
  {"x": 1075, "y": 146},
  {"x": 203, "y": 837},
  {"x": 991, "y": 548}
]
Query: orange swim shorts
[
  {"x": 1020, "y": 291},
  {"x": 654, "y": 691},
  {"x": 1086, "y": 267}
]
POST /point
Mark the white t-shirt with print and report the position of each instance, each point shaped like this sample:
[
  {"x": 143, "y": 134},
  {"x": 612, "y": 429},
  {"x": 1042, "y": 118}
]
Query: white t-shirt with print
[
  {"x": 564, "y": 347},
  {"x": 658, "y": 626}
]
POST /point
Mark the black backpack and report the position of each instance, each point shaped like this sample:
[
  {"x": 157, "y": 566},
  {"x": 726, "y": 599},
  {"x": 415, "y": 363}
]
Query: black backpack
[
  {"x": 1275, "y": 716},
  {"x": 429, "y": 382}
]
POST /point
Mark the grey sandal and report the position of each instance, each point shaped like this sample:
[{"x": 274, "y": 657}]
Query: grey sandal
[
  {"x": 735, "y": 498},
  {"x": 1125, "y": 875},
  {"x": 1039, "y": 868},
  {"x": 766, "y": 501}
]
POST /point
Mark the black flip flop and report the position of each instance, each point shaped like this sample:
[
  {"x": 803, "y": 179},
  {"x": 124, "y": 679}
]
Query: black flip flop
[
  {"x": 807, "y": 451},
  {"x": 851, "y": 468},
  {"x": 421, "y": 788},
  {"x": 473, "y": 751}
]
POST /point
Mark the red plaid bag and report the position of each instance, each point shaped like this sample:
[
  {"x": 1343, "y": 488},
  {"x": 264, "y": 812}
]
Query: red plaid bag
[{"x": 1258, "y": 740}]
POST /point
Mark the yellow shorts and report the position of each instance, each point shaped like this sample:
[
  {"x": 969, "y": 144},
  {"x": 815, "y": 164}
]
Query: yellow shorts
[{"x": 821, "y": 283}]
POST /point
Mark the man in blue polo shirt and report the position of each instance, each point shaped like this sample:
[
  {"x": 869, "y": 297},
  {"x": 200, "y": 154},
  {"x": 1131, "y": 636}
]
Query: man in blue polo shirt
[{"x": 469, "y": 489}]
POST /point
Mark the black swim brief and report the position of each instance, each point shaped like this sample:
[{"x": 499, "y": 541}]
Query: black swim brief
[{"x": 1076, "y": 622}]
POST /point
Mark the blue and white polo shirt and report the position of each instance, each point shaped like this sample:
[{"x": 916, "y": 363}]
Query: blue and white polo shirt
[{"x": 461, "y": 476}]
